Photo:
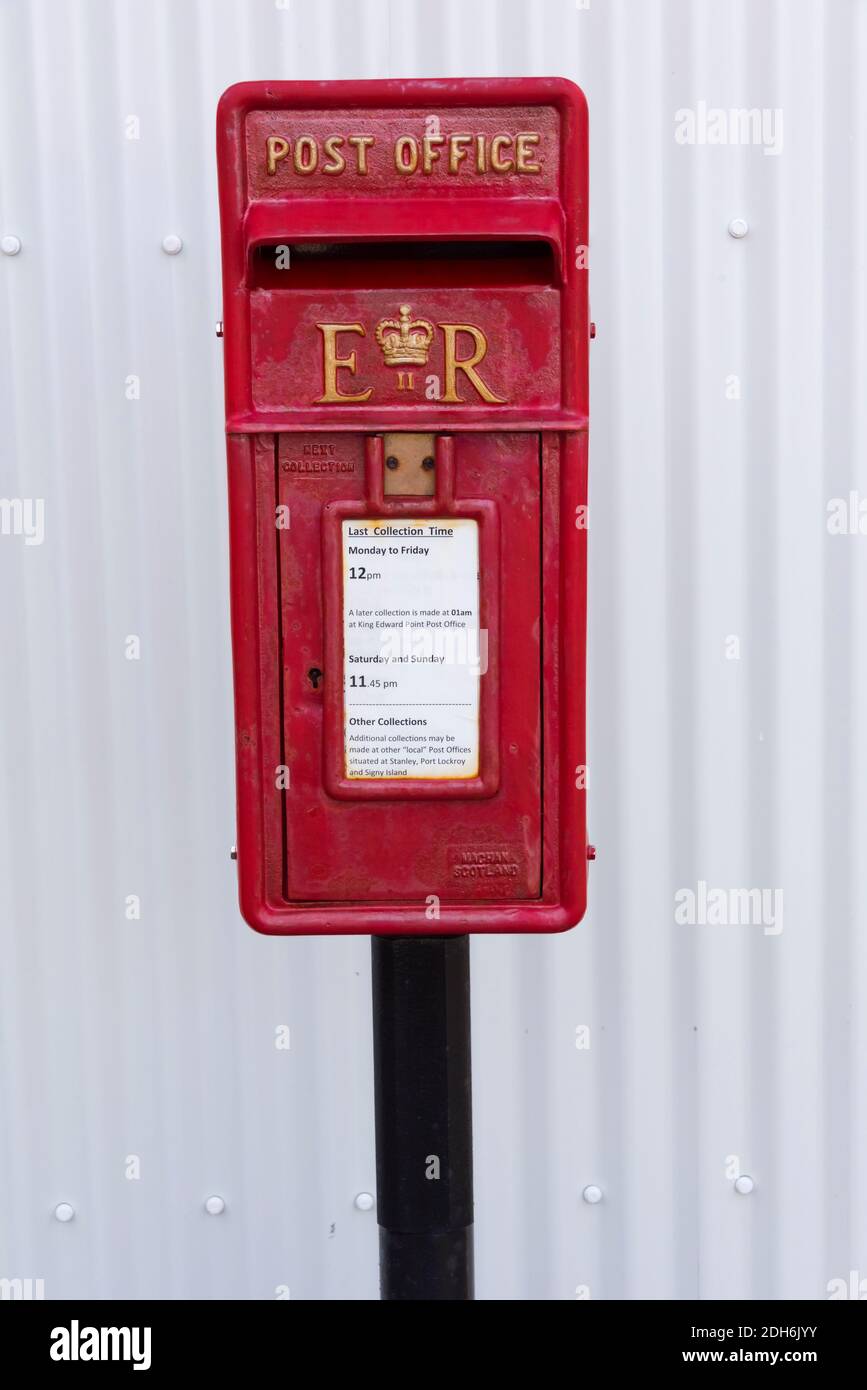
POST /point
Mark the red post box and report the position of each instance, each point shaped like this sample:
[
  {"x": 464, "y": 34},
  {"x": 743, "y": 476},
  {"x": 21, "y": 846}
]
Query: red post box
[{"x": 406, "y": 363}]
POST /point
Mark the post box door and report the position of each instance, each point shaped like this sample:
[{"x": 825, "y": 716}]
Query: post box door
[{"x": 459, "y": 825}]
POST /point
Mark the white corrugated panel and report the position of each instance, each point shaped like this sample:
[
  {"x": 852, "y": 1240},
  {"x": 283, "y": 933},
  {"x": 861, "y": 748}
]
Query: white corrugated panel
[{"x": 728, "y": 684}]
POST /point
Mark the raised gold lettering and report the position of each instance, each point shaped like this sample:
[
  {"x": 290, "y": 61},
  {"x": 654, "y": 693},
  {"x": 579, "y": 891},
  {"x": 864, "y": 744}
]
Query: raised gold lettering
[
  {"x": 406, "y": 154},
  {"x": 332, "y": 149},
  {"x": 276, "y": 148},
  {"x": 331, "y": 363},
  {"x": 430, "y": 151},
  {"x": 524, "y": 143},
  {"x": 498, "y": 164},
  {"x": 467, "y": 365},
  {"x": 457, "y": 151},
  {"x": 306, "y": 155},
  {"x": 361, "y": 144}
]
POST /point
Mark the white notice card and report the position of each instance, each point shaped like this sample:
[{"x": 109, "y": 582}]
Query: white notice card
[{"x": 413, "y": 653}]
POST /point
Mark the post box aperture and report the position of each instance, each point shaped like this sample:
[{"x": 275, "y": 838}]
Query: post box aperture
[{"x": 406, "y": 334}]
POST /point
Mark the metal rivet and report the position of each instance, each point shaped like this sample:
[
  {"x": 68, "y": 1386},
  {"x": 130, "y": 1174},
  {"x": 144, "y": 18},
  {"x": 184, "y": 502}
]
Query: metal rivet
[
  {"x": 391, "y": 462},
  {"x": 10, "y": 245},
  {"x": 215, "y": 1206},
  {"x": 233, "y": 852},
  {"x": 427, "y": 463},
  {"x": 64, "y": 1212},
  {"x": 172, "y": 244},
  {"x": 219, "y": 328},
  {"x": 744, "y": 1185},
  {"x": 592, "y": 1194},
  {"x": 738, "y": 227},
  {"x": 364, "y": 1201}
]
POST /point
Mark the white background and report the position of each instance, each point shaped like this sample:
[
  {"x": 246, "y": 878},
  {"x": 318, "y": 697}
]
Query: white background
[{"x": 156, "y": 1037}]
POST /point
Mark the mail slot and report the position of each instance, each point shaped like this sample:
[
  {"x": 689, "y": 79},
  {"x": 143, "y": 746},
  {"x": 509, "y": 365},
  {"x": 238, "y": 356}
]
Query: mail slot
[{"x": 406, "y": 367}]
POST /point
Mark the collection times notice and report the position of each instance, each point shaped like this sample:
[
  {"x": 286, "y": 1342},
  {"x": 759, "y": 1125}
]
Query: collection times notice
[{"x": 413, "y": 653}]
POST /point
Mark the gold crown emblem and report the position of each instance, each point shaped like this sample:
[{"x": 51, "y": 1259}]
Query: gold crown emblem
[{"x": 404, "y": 342}]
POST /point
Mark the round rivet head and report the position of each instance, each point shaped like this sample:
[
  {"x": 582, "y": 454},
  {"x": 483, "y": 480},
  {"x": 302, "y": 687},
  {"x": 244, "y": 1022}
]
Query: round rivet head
[
  {"x": 10, "y": 245},
  {"x": 172, "y": 244},
  {"x": 64, "y": 1212},
  {"x": 592, "y": 1194},
  {"x": 215, "y": 1206},
  {"x": 744, "y": 1185},
  {"x": 738, "y": 227},
  {"x": 391, "y": 462},
  {"x": 427, "y": 463},
  {"x": 364, "y": 1201}
]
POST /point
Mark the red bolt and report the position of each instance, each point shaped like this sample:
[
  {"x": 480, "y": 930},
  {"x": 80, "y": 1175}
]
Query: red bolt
[{"x": 591, "y": 851}]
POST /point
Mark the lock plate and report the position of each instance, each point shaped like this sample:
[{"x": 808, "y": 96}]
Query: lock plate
[{"x": 413, "y": 474}]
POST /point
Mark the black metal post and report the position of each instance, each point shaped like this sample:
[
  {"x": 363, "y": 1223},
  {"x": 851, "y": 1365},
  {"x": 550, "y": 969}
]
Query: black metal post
[{"x": 424, "y": 1135}]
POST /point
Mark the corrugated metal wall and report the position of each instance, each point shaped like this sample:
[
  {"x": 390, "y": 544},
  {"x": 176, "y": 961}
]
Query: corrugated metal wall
[{"x": 728, "y": 680}]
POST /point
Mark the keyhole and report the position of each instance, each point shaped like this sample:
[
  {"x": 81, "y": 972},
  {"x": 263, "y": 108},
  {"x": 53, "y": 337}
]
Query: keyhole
[{"x": 314, "y": 675}]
